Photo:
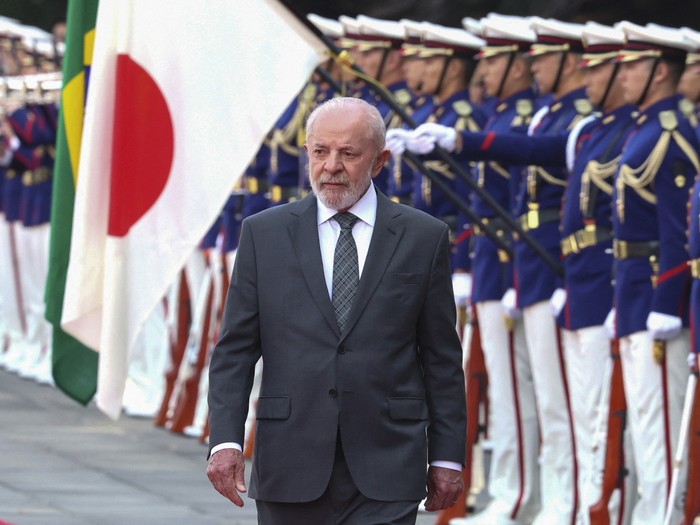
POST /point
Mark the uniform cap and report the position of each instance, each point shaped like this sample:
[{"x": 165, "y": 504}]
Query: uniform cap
[
  {"x": 505, "y": 34},
  {"x": 351, "y": 32},
  {"x": 601, "y": 44},
  {"x": 555, "y": 36},
  {"x": 412, "y": 40},
  {"x": 654, "y": 41},
  {"x": 328, "y": 26},
  {"x": 376, "y": 33},
  {"x": 474, "y": 26},
  {"x": 692, "y": 36},
  {"x": 448, "y": 41},
  {"x": 8, "y": 31}
]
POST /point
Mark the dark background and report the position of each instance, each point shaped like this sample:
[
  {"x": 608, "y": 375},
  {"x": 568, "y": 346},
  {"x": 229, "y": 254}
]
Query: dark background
[{"x": 675, "y": 13}]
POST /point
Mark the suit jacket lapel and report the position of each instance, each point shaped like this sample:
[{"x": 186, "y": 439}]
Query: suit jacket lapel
[
  {"x": 385, "y": 239},
  {"x": 304, "y": 234}
]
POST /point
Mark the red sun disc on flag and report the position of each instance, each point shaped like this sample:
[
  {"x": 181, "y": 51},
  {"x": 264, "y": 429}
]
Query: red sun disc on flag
[{"x": 142, "y": 146}]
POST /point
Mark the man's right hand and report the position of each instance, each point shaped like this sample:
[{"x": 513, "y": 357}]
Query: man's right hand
[{"x": 226, "y": 471}]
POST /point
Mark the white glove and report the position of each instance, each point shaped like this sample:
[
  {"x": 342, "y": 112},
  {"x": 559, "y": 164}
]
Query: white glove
[
  {"x": 396, "y": 140},
  {"x": 420, "y": 144},
  {"x": 609, "y": 323},
  {"x": 693, "y": 362},
  {"x": 462, "y": 287},
  {"x": 509, "y": 304},
  {"x": 663, "y": 326},
  {"x": 557, "y": 301},
  {"x": 443, "y": 136}
]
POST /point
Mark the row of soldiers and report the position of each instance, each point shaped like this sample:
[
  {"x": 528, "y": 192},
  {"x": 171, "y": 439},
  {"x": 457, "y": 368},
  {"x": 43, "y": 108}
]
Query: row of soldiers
[
  {"x": 586, "y": 262},
  {"x": 29, "y": 85},
  {"x": 573, "y": 158}
]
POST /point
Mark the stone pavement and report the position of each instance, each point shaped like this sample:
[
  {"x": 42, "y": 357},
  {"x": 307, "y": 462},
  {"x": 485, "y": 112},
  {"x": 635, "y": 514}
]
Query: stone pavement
[{"x": 63, "y": 464}]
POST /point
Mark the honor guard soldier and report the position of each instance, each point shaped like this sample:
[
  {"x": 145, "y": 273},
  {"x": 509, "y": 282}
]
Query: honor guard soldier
[
  {"x": 691, "y": 508},
  {"x": 477, "y": 90},
  {"x": 555, "y": 55},
  {"x": 357, "y": 87},
  {"x": 513, "y": 428},
  {"x": 400, "y": 183},
  {"x": 333, "y": 29},
  {"x": 449, "y": 64},
  {"x": 652, "y": 276},
  {"x": 689, "y": 85},
  {"x": 593, "y": 151}
]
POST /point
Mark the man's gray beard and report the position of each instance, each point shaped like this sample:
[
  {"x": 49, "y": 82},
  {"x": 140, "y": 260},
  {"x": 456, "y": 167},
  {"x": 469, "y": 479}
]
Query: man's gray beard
[{"x": 345, "y": 200}]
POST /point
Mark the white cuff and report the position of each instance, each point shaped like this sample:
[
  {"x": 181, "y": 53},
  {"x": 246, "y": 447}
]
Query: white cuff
[
  {"x": 447, "y": 464},
  {"x": 222, "y": 446}
]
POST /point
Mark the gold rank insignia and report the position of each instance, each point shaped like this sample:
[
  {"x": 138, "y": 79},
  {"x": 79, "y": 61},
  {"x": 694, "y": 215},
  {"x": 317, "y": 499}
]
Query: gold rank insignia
[
  {"x": 463, "y": 108},
  {"x": 403, "y": 97},
  {"x": 523, "y": 107},
  {"x": 583, "y": 106},
  {"x": 523, "y": 110},
  {"x": 668, "y": 120},
  {"x": 687, "y": 108}
]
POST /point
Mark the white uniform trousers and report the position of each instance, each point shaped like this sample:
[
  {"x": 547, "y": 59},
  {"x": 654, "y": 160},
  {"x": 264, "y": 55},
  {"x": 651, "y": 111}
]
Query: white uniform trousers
[
  {"x": 557, "y": 449},
  {"x": 589, "y": 367},
  {"x": 655, "y": 394},
  {"x": 145, "y": 384},
  {"x": 513, "y": 428},
  {"x": 32, "y": 253}
]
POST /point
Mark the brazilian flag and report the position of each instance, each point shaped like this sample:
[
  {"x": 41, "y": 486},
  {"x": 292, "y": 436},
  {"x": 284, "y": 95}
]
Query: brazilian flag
[{"x": 74, "y": 364}]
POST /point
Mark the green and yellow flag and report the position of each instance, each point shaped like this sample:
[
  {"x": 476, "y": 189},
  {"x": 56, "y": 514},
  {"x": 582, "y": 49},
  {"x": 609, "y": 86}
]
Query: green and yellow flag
[{"x": 74, "y": 364}]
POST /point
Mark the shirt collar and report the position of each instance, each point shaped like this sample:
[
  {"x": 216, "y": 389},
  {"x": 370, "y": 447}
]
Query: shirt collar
[{"x": 365, "y": 209}]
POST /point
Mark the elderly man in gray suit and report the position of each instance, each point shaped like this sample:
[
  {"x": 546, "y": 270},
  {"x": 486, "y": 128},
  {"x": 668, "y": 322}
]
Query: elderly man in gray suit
[{"x": 347, "y": 297}]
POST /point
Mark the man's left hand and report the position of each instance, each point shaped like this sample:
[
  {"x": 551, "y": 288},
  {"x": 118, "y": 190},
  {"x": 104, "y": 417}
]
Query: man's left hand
[{"x": 444, "y": 486}]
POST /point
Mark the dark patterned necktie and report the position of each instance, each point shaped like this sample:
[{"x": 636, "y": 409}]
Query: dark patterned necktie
[{"x": 346, "y": 273}]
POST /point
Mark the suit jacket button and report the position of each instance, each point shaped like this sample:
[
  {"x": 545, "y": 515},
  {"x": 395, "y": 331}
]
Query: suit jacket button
[
  {"x": 332, "y": 392},
  {"x": 341, "y": 349}
]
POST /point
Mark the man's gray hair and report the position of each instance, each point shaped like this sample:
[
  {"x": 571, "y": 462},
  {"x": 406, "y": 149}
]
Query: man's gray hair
[{"x": 374, "y": 119}]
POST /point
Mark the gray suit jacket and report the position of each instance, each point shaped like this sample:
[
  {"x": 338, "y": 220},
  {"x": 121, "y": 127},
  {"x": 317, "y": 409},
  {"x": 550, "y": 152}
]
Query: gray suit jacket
[{"x": 392, "y": 384}]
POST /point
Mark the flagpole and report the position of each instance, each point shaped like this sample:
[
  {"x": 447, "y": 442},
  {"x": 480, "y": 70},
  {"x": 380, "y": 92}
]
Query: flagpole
[
  {"x": 512, "y": 224},
  {"x": 437, "y": 181}
]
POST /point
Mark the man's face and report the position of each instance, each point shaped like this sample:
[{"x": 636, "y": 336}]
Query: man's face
[
  {"x": 493, "y": 68},
  {"x": 369, "y": 61},
  {"x": 544, "y": 70},
  {"x": 634, "y": 77},
  {"x": 413, "y": 69},
  {"x": 432, "y": 73},
  {"x": 689, "y": 85},
  {"x": 597, "y": 79},
  {"x": 343, "y": 158}
]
